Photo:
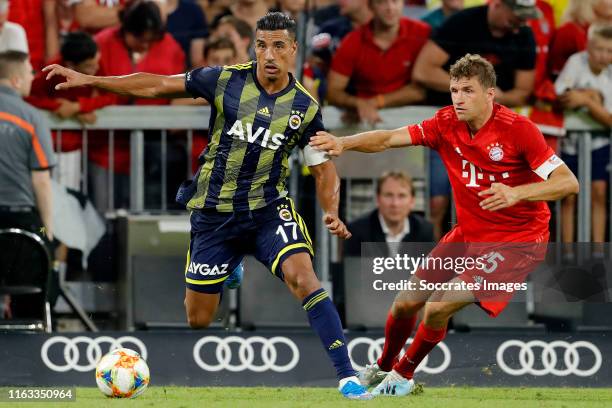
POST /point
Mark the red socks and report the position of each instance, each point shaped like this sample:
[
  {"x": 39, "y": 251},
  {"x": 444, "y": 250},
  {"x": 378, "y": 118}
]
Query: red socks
[
  {"x": 397, "y": 332},
  {"x": 424, "y": 341}
]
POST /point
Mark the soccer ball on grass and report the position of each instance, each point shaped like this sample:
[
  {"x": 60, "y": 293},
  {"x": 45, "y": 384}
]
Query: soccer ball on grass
[{"x": 122, "y": 373}]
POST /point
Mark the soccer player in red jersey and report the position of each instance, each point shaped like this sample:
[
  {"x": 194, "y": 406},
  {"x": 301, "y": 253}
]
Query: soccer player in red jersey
[{"x": 501, "y": 172}]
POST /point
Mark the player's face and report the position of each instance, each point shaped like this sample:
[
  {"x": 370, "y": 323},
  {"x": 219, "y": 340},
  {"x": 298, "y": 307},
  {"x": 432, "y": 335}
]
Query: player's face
[
  {"x": 470, "y": 98},
  {"x": 395, "y": 200},
  {"x": 89, "y": 66},
  {"x": 275, "y": 52},
  {"x": 220, "y": 57},
  {"x": 600, "y": 53},
  {"x": 387, "y": 12}
]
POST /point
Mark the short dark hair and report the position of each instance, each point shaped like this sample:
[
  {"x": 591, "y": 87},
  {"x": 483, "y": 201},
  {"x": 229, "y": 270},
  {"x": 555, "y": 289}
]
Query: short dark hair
[
  {"x": 395, "y": 175},
  {"x": 221, "y": 43},
  {"x": 140, "y": 17},
  {"x": 78, "y": 46},
  {"x": 9, "y": 61},
  {"x": 277, "y": 21},
  {"x": 473, "y": 65}
]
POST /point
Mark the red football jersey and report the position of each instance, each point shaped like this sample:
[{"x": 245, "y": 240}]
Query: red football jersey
[{"x": 508, "y": 149}]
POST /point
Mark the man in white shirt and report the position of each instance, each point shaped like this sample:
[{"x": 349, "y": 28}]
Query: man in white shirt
[
  {"x": 392, "y": 221},
  {"x": 12, "y": 35}
]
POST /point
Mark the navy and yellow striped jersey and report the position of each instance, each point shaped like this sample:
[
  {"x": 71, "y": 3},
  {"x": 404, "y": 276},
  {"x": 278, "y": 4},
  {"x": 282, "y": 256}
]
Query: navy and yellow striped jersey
[{"x": 251, "y": 136}]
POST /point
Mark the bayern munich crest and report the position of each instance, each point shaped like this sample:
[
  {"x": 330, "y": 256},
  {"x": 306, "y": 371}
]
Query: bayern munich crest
[
  {"x": 295, "y": 120},
  {"x": 496, "y": 153}
]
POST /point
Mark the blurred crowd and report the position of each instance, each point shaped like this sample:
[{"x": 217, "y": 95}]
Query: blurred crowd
[{"x": 360, "y": 55}]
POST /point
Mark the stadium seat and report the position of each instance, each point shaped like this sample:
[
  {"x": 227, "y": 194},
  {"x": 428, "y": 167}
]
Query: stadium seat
[{"x": 25, "y": 271}]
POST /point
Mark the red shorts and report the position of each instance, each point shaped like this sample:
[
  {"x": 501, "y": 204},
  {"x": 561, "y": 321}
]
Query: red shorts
[{"x": 494, "y": 270}]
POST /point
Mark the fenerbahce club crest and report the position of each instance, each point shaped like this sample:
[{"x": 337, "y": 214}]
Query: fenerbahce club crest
[
  {"x": 284, "y": 213},
  {"x": 295, "y": 120}
]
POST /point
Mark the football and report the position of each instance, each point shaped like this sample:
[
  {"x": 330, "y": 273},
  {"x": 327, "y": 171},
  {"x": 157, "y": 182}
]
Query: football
[{"x": 122, "y": 373}]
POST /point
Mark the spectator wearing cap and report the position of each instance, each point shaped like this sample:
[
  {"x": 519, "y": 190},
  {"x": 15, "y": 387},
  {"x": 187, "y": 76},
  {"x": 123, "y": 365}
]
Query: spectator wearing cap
[
  {"x": 497, "y": 32},
  {"x": 390, "y": 41}
]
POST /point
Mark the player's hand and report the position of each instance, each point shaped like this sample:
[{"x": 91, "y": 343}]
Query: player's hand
[
  {"x": 327, "y": 142},
  {"x": 368, "y": 111},
  {"x": 501, "y": 196},
  {"x": 73, "y": 78},
  {"x": 336, "y": 226}
]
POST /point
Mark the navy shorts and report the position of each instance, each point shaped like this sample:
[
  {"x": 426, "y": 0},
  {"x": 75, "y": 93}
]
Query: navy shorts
[
  {"x": 600, "y": 160},
  {"x": 220, "y": 240}
]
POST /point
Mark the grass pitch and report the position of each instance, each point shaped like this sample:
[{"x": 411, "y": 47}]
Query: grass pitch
[{"x": 456, "y": 397}]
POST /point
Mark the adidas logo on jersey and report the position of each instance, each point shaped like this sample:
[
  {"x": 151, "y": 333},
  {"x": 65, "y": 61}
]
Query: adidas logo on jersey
[
  {"x": 268, "y": 140},
  {"x": 264, "y": 111}
]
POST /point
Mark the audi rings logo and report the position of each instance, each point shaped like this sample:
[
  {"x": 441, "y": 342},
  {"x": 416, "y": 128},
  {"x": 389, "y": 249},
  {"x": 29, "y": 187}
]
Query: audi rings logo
[
  {"x": 247, "y": 358},
  {"x": 375, "y": 347},
  {"x": 93, "y": 351},
  {"x": 548, "y": 358}
]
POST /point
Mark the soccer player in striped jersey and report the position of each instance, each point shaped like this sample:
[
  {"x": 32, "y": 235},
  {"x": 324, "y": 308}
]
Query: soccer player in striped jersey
[{"x": 238, "y": 199}]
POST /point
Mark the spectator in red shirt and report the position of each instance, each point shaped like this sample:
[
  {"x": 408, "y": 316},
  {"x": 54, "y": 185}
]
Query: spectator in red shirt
[
  {"x": 79, "y": 52},
  {"x": 39, "y": 19},
  {"x": 140, "y": 44},
  {"x": 390, "y": 41},
  {"x": 571, "y": 37}
]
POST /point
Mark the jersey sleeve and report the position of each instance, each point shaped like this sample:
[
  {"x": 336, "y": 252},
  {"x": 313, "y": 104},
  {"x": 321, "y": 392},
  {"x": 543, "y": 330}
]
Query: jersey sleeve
[
  {"x": 42, "y": 156},
  {"x": 541, "y": 158},
  {"x": 312, "y": 157},
  {"x": 202, "y": 82},
  {"x": 426, "y": 133}
]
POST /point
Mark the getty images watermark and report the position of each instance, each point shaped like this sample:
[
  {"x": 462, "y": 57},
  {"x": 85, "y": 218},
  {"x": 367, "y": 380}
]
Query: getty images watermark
[
  {"x": 430, "y": 271},
  {"x": 516, "y": 272}
]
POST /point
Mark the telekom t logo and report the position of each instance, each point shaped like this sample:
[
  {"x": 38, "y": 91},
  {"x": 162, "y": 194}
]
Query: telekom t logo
[{"x": 473, "y": 174}]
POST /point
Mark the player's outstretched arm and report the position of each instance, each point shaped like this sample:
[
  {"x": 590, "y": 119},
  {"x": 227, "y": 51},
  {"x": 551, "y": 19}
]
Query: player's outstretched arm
[
  {"x": 328, "y": 193},
  {"x": 560, "y": 183},
  {"x": 139, "y": 85},
  {"x": 366, "y": 142}
]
